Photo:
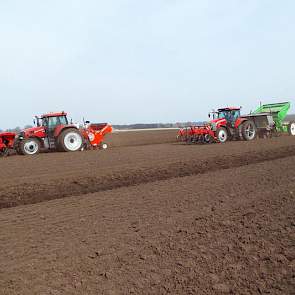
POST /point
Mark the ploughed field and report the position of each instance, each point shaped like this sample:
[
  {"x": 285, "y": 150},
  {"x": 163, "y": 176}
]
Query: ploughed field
[{"x": 150, "y": 219}]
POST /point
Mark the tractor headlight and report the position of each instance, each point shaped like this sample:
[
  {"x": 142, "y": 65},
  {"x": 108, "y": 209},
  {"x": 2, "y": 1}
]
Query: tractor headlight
[{"x": 20, "y": 136}]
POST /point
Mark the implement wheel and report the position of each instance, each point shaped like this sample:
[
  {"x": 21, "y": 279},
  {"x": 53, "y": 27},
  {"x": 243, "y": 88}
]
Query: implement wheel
[
  {"x": 208, "y": 138},
  {"x": 249, "y": 130},
  {"x": 103, "y": 146},
  {"x": 291, "y": 129},
  {"x": 4, "y": 152}
]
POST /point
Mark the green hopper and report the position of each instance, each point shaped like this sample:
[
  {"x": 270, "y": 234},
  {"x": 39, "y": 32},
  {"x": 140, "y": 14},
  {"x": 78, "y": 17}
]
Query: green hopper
[{"x": 271, "y": 118}]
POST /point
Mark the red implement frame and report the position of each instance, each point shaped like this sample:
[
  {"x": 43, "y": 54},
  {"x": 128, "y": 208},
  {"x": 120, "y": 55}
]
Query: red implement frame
[{"x": 6, "y": 142}]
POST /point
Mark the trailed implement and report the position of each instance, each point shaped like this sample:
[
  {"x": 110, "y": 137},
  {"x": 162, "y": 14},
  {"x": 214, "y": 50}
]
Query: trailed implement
[
  {"x": 269, "y": 119},
  {"x": 6, "y": 142}
]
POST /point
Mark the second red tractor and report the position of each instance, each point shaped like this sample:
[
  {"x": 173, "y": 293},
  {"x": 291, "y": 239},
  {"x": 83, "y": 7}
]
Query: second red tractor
[{"x": 226, "y": 124}]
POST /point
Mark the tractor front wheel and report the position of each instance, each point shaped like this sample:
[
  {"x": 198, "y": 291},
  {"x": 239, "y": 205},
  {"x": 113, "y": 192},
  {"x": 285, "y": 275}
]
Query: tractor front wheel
[
  {"x": 249, "y": 130},
  {"x": 29, "y": 146},
  {"x": 291, "y": 129},
  {"x": 70, "y": 140},
  {"x": 222, "y": 135}
]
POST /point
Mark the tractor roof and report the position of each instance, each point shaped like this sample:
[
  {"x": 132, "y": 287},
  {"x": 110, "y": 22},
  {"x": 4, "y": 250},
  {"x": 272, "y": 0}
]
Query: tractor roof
[
  {"x": 229, "y": 109},
  {"x": 54, "y": 115}
]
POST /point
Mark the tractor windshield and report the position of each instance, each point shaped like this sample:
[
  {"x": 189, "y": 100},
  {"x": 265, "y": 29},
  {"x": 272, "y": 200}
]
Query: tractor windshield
[
  {"x": 52, "y": 122},
  {"x": 229, "y": 115}
]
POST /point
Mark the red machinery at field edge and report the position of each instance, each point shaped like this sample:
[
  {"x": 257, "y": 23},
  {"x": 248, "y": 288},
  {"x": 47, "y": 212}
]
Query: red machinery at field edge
[
  {"x": 6, "y": 142},
  {"x": 227, "y": 123},
  {"x": 53, "y": 132}
]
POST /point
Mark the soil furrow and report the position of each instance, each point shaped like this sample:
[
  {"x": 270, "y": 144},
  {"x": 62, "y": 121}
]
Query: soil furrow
[{"x": 23, "y": 194}]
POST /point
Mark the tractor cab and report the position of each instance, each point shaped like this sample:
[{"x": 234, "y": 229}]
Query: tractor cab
[
  {"x": 49, "y": 128},
  {"x": 52, "y": 120},
  {"x": 225, "y": 115},
  {"x": 229, "y": 114}
]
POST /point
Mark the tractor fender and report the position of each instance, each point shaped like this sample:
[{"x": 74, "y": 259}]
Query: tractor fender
[
  {"x": 238, "y": 127},
  {"x": 239, "y": 122},
  {"x": 22, "y": 137},
  {"x": 59, "y": 129}
]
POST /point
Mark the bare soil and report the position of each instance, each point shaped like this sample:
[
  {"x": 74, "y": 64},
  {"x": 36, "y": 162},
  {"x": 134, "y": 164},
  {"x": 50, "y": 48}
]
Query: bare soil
[
  {"x": 154, "y": 219},
  {"x": 141, "y": 137},
  {"x": 27, "y": 180}
]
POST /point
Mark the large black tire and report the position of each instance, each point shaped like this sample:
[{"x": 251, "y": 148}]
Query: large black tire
[
  {"x": 29, "y": 146},
  {"x": 222, "y": 134},
  {"x": 291, "y": 128},
  {"x": 249, "y": 130},
  {"x": 70, "y": 140}
]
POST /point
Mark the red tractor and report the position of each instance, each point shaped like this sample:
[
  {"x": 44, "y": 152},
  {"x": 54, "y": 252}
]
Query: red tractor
[
  {"x": 226, "y": 124},
  {"x": 54, "y": 132}
]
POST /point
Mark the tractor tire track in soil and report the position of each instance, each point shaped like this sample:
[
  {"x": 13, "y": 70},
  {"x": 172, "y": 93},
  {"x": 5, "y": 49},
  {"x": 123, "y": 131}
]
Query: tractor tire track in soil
[{"x": 23, "y": 194}]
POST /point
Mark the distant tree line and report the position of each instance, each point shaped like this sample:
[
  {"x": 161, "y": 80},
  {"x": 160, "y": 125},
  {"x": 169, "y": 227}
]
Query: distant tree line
[
  {"x": 156, "y": 125},
  {"x": 126, "y": 126},
  {"x": 16, "y": 129}
]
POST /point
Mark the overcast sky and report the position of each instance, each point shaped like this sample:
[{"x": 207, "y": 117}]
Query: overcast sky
[{"x": 127, "y": 61}]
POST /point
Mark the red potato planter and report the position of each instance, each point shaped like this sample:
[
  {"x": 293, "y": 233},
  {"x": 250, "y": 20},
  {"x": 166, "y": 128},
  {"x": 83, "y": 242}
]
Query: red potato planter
[{"x": 53, "y": 132}]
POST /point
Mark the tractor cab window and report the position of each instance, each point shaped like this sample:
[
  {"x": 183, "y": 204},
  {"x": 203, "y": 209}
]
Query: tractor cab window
[
  {"x": 236, "y": 114},
  {"x": 52, "y": 122},
  {"x": 223, "y": 115},
  {"x": 37, "y": 122}
]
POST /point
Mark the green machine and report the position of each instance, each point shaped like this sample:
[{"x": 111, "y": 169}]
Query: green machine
[{"x": 270, "y": 118}]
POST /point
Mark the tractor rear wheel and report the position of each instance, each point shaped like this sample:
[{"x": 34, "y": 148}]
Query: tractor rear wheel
[
  {"x": 29, "y": 146},
  {"x": 249, "y": 130},
  {"x": 70, "y": 140},
  {"x": 222, "y": 134},
  {"x": 291, "y": 129}
]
